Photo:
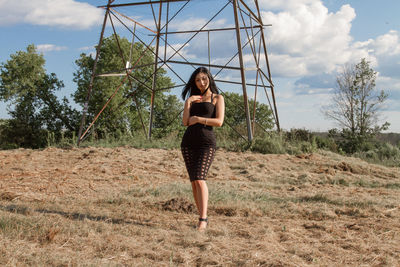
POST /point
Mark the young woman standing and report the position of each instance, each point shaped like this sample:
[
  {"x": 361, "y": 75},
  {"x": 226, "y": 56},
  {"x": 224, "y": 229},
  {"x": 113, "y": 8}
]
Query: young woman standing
[{"x": 204, "y": 109}]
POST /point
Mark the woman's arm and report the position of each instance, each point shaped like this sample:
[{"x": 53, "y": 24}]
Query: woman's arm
[
  {"x": 186, "y": 109},
  {"x": 186, "y": 113},
  {"x": 219, "y": 115}
]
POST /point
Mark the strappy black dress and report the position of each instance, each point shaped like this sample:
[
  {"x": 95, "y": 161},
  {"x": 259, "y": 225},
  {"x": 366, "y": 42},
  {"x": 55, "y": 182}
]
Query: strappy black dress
[{"x": 198, "y": 143}]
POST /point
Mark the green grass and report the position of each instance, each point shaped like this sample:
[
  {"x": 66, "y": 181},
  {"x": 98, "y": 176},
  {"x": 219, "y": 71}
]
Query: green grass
[
  {"x": 320, "y": 198},
  {"x": 340, "y": 181},
  {"x": 161, "y": 191},
  {"x": 136, "y": 141},
  {"x": 265, "y": 143},
  {"x": 367, "y": 184},
  {"x": 30, "y": 228},
  {"x": 392, "y": 186}
]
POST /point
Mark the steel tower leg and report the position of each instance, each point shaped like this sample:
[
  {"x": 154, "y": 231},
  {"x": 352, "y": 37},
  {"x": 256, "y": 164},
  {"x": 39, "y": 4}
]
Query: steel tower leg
[
  {"x": 89, "y": 94},
  {"x": 153, "y": 87},
  {"x": 242, "y": 72},
  {"x": 268, "y": 68}
]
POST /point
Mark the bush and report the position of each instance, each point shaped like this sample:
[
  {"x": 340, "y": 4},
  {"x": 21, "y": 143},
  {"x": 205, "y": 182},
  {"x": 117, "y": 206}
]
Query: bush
[
  {"x": 299, "y": 135},
  {"x": 137, "y": 140},
  {"x": 326, "y": 143},
  {"x": 16, "y": 134},
  {"x": 381, "y": 153},
  {"x": 272, "y": 144},
  {"x": 280, "y": 143}
]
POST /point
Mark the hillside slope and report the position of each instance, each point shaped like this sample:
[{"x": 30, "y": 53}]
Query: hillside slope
[{"x": 125, "y": 206}]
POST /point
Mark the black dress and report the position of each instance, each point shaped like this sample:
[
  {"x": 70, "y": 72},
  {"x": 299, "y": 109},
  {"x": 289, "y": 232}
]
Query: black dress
[{"x": 198, "y": 143}]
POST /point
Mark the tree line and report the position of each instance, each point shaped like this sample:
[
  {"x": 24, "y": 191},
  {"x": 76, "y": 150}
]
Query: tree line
[{"x": 37, "y": 115}]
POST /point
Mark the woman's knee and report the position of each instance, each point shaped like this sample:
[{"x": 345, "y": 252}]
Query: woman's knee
[{"x": 199, "y": 183}]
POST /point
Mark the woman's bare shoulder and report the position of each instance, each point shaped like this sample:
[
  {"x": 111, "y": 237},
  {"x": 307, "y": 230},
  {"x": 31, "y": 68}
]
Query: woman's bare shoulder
[
  {"x": 218, "y": 96},
  {"x": 217, "y": 99}
]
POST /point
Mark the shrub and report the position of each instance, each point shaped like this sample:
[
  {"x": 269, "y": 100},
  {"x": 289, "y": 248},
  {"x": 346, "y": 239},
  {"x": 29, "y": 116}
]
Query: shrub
[
  {"x": 272, "y": 144},
  {"x": 381, "y": 153},
  {"x": 299, "y": 135},
  {"x": 326, "y": 143},
  {"x": 137, "y": 140}
]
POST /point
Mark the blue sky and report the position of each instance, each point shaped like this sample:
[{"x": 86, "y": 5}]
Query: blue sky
[{"x": 309, "y": 41}]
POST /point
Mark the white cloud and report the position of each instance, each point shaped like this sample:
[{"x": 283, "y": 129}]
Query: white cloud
[
  {"x": 172, "y": 49},
  {"x": 50, "y": 47},
  {"x": 388, "y": 82},
  {"x": 306, "y": 39},
  {"x": 287, "y": 66},
  {"x": 288, "y": 4},
  {"x": 61, "y": 13},
  {"x": 392, "y": 87},
  {"x": 388, "y": 44},
  {"x": 393, "y": 117},
  {"x": 196, "y": 23},
  {"x": 87, "y": 48},
  {"x": 383, "y": 53}
]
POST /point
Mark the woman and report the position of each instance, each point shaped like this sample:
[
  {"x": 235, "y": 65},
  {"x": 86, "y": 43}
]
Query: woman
[{"x": 204, "y": 108}]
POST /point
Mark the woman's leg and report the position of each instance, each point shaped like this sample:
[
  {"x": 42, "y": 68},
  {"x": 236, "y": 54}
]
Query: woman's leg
[
  {"x": 196, "y": 198},
  {"x": 197, "y": 163},
  {"x": 202, "y": 198}
]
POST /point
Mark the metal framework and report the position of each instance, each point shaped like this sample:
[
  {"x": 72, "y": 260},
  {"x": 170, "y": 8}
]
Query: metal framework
[{"x": 248, "y": 63}]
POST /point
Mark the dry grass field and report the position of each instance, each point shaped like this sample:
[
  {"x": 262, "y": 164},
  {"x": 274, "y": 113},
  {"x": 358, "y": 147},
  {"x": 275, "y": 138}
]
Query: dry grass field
[{"x": 133, "y": 207}]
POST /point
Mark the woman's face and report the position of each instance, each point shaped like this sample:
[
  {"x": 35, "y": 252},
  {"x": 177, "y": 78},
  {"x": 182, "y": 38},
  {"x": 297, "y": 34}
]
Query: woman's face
[{"x": 202, "y": 81}]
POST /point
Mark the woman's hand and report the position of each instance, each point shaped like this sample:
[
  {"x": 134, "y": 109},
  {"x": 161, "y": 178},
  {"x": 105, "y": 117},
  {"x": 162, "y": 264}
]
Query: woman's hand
[
  {"x": 186, "y": 119},
  {"x": 193, "y": 120},
  {"x": 194, "y": 99}
]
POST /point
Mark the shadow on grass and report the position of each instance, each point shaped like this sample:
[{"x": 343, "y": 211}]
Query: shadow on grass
[{"x": 73, "y": 215}]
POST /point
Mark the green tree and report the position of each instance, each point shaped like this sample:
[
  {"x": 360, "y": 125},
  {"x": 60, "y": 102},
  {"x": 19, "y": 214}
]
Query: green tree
[
  {"x": 167, "y": 115},
  {"x": 356, "y": 105},
  {"x": 235, "y": 115},
  {"x": 130, "y": 106},
  {"x": 32, "y": 104}
]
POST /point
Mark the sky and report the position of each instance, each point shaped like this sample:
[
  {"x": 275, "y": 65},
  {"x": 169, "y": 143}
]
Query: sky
[{"x": 308, "y": 43}]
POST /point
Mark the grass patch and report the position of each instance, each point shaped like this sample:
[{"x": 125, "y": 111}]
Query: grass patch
[
  {"x": 136, "y": 140},
  {"x": 161, "y": 191},
  {"x": 359, "y": 204},
  {"x": 375, "y": 184},
  {"x": 14, "y": 226},
  {"x": 340, "y": 181},
  {"x": 319, "y": 198},
  {"x": 114, "y": 201},
  {"x": 103, "y": 219},
  {"x": 367, "y": 184},
  {"x": 238, "y": 167},
  {"x": 223, "y": 195},
  {"x": 392, "y": 186},
  {"x": 8, "y": 225}
]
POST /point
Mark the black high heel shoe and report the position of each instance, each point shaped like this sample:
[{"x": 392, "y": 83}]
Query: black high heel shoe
[{"x": 203, "y": 220}]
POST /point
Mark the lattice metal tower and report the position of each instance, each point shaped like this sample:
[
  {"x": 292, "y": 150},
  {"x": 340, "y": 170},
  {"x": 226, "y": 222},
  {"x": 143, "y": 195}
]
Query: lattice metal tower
[{"x": 226, "y": 36}]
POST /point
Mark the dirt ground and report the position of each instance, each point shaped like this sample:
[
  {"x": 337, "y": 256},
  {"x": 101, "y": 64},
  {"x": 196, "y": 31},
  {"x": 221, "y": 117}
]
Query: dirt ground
[{"x": 134, "y": 207}]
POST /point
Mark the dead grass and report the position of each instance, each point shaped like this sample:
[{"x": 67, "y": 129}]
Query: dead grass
[{"x": 134, "y": 207}]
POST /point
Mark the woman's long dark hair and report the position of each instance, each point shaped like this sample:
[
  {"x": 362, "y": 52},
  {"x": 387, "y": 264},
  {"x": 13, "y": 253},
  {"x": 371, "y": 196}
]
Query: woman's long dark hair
[{"x": 191, "y": 88}]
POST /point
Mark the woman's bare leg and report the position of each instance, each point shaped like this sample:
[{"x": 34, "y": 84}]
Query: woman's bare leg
[
  {"x": 202, "y": 198},
  {"x": 196, "y": 199}
]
